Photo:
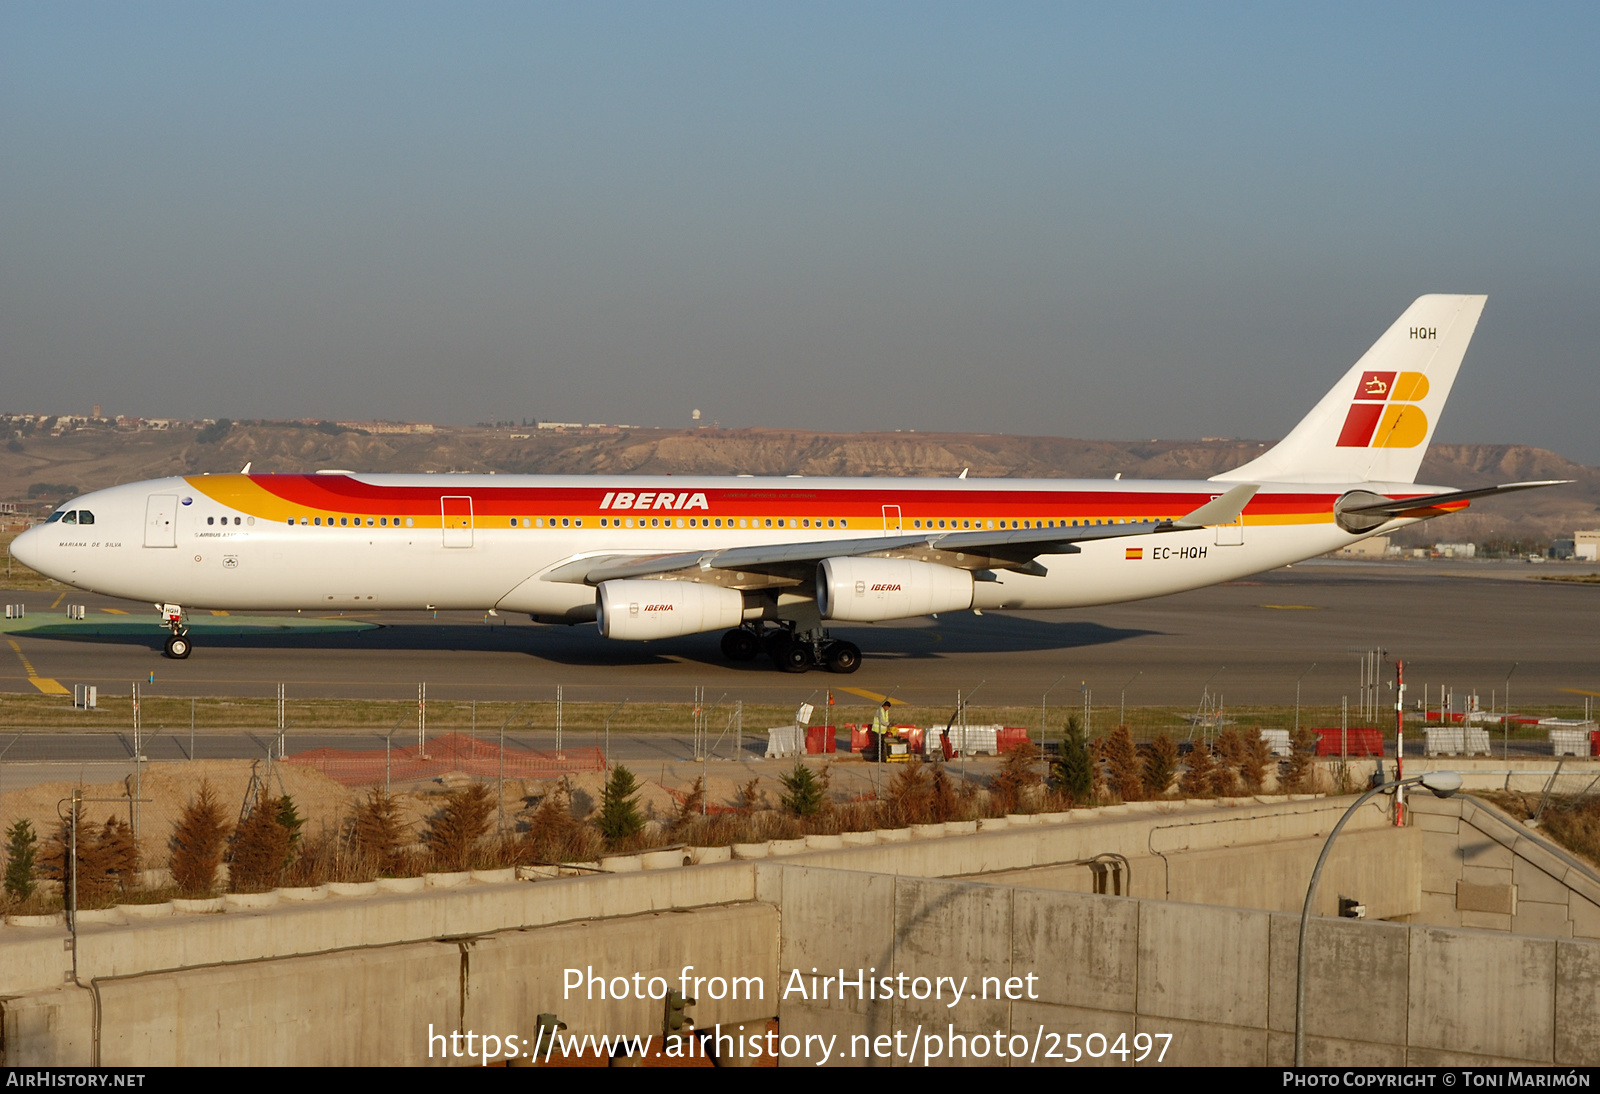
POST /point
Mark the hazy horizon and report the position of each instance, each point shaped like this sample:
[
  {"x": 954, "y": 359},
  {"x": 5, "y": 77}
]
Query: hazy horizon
[{"x": 1142, "y": 221}]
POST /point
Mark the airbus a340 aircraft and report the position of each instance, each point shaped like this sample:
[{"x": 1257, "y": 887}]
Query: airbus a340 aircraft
[{"x": 773, "y": 561}]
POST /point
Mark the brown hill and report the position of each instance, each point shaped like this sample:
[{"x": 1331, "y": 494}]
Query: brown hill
[{"x": 91, "y": 458}]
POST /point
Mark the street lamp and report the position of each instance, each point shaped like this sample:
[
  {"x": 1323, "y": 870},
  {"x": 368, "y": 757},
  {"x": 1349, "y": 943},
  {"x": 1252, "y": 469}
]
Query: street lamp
[
  {"x": 1297, "y": 680},
  {"x": 1442, "y": 784},
  {"x": 1122, "y": 701}
]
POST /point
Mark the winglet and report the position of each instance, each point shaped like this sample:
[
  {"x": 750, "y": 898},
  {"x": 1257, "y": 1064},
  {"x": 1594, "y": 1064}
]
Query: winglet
[{"x": 1224, "y": 509}]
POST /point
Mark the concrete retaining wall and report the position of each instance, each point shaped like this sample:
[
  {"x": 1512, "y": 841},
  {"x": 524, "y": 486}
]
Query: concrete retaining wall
[
  {"x": 1482, "y": 869},
  {"x": 1220, "y": 981}
]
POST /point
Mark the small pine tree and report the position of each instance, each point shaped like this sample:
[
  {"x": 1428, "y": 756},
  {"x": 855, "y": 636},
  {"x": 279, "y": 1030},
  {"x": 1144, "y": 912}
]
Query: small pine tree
[
  {"x": 1074, "y": 769},
  {"x": 1160, "y": 765},
  {"x": 909, "y": 795},
  {"x": 944, "y": 803},
  {"x": 1231, "y": 753},
  {"x": 750, "y": 797},
  {"x": 21, "y": 850},
  {"x": 1197, "y": 781},
  {"x": 260, "y": 850},
  {"x": 118, "y": 854},
  {"x": 1257, "y": 755},
  {"x": 1123, "y": 759},
  {"x": 551, "y": 827},
  {"x": 291, "y": 820},
  {"x": 691, "y": 808},
  {"x": 92, "y": 879},
  {"x": 1020, "y": 772},
  {"x": 802, "y": 791},
  {"x": 1300, "y": 776},
  {"x": 378, "y": 832},
  {"x": 619, "y": 811},
  {"x": 198, "y": 839},
  {"x": 454, "y": 831}
]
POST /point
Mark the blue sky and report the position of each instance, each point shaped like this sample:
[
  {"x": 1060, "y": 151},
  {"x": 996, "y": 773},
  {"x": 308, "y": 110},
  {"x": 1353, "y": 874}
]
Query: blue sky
[{"x": 1098, "y": 221}]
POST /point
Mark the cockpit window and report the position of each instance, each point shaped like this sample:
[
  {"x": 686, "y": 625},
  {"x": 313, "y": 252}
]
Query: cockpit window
[
  {"x": 70, "y": 517},
  {"x": 53, "y": 517},
  {"x": 85, "y": 517}
]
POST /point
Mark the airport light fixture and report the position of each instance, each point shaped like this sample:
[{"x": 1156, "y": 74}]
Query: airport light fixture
[
  {"x": 1297, "y": 680},
  {"x": 1442, "y": 784}
]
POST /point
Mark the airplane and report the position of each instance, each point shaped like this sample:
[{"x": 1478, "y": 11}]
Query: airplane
[{"x": 773, "y": 561}]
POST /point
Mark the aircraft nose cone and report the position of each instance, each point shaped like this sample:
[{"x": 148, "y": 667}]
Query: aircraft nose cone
[{"x": 26, "y": 548}]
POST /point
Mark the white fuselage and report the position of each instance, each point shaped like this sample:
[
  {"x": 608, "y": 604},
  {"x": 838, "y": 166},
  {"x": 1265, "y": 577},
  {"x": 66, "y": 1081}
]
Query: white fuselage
[{"x": 380, "y": 542}]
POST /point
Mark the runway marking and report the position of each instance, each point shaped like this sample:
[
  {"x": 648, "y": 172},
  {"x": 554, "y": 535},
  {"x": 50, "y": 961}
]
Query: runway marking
[
  {"x": 215, "y": 612},
  {"x": 1578, "y": 691},
  {"x": 865, "y": 694},
  {"x": 59, "y": 599},
  {"x": 43, "y": 683},
  {"x": 114, "y": 611},
  {"x": 1294, "y": 607}
]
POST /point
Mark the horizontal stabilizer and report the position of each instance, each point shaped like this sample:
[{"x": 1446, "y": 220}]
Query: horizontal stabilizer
[{"x": 1395, "y": 506}]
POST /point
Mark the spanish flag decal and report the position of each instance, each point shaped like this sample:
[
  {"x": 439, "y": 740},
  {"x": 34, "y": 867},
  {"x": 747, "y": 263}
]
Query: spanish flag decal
[{"x": 1134, "y": 552}]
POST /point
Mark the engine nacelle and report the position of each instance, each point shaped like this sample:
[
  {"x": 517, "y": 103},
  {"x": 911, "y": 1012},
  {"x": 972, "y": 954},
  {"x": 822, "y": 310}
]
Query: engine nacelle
[
  {"x": 866, "y": 590},
  {"x": 637, "y": 610}
]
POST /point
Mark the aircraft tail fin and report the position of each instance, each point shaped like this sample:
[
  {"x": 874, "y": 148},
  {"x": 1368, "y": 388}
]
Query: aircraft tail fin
[{"x": 1375, "y": 425}]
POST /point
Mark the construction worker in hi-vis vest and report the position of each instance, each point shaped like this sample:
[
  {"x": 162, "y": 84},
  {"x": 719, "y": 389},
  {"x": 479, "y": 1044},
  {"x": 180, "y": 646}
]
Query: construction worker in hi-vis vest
[{"x": 881, "y": 728}]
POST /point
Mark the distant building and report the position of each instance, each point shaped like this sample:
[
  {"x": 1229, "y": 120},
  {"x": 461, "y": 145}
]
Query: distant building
[
  {"x": 1375, "y": 547},
  {"x": 1586, "y": 544},
  {"x": 1456, "y": 550},
  {"x": 388, "y": 427}
]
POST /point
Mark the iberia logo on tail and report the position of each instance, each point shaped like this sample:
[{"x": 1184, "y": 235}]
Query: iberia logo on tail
[{"x": 1384, "y": 414}]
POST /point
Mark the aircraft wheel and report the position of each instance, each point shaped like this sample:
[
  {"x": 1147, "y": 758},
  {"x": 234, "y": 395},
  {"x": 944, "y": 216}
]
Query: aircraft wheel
[
  {"x": 178, "y": 647},
  {"x": 843, "y": 657},
  {"x": 740, "y": 645},
  {"x": 791, "y": 657}
]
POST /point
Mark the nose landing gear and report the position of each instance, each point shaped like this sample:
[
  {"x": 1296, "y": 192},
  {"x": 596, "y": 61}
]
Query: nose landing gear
[{"x": 178, "y": 645}]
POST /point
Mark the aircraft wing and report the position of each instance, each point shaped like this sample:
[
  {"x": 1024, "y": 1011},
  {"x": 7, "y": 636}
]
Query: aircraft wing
[{"x": 790, "y": 563}]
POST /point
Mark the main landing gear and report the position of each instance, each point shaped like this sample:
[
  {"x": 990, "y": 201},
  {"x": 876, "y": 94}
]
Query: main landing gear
[
  {"x": 793, "y": 652},
  {"x": 178, "y": 645}
]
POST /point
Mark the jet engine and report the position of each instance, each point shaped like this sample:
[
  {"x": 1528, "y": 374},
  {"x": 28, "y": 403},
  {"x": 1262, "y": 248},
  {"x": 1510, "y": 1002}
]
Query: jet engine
[
  {"x": 638, "y": 610},
  {"x": 865, "y": 590}
]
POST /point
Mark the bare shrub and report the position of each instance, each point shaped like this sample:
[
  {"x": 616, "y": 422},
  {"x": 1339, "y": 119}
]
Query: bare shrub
[
  {"x": 909, "y": 795},
  {"x": 316, "y": 862},
  {"x": 751, "y": 798},
  {"x": 691, "y": 808}
]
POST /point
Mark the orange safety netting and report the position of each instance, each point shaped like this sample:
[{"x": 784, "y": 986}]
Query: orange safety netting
[{"x": 443, "y": 755}]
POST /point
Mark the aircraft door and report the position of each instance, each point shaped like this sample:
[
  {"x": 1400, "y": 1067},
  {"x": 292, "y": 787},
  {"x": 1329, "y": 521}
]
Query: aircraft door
[
  {"x": 891, "y": 520},
  {"x": 457, "y": 522},
  {"x": 1231, "y": 535},
  {"x": 161, "y": 521}
]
